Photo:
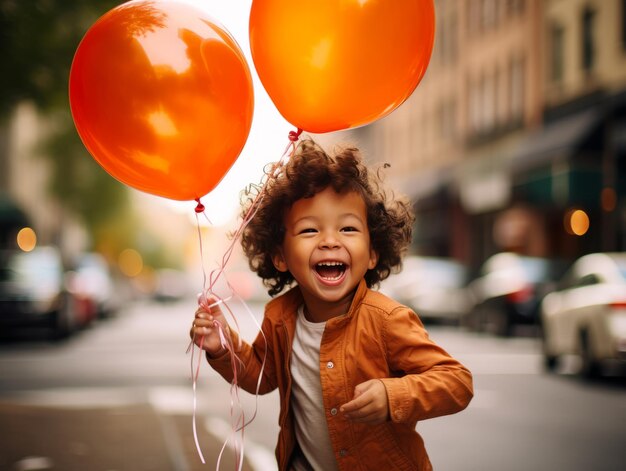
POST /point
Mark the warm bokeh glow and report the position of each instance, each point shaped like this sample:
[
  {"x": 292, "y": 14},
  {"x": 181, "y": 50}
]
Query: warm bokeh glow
[
  {"x": 130, "y": 262},
  {"x": 576, "y": 222},
  {"x": 26, "y": 239},
  {"x": 608, "y": 199}
]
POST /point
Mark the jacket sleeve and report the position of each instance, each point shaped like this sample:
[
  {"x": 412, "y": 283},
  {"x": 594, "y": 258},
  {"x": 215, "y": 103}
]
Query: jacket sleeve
[
  {"x": 255, "y": 367},
  {"x": 427, "y": 382}
]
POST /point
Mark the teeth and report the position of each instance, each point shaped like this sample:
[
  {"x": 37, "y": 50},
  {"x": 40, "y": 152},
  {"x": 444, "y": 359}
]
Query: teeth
[{"x": 331, "y": 265}]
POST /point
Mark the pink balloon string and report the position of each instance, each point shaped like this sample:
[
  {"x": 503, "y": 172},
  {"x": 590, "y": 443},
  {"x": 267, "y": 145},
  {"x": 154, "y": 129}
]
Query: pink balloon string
[{"x": 209, "y": 299}]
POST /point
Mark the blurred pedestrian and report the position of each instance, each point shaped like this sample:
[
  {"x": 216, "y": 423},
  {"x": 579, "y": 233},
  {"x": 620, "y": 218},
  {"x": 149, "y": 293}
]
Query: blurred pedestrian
[{"x": 355, "y": 369}]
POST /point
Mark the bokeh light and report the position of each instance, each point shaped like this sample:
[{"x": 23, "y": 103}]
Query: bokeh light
[
  {"x": 576, "y": 222},
  {"x": 26, "y": 239},
  {"x": 130, "y": 262},
  {"x": 608, "y": 199}
]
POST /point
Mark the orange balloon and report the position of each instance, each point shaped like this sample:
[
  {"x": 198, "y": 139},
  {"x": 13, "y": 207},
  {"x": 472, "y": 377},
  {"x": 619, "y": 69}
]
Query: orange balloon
[
  {"x": 162, "y": 97},
  {"x": 336, "y": 64}
]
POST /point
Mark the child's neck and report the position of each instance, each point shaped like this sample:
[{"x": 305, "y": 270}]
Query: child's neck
[{"x": 322, "y": 311}]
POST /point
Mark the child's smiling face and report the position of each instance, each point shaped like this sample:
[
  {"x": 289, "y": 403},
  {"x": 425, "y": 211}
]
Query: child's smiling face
[{"x": 327, "y": 249}]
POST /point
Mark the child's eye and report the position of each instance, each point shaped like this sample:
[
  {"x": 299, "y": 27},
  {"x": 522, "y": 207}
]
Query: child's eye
[
  {"x": 308, "y": 230},
  {"x": 349, "y": 229}
]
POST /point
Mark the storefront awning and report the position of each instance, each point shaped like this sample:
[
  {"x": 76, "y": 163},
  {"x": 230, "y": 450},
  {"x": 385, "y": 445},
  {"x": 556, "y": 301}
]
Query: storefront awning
[{"x": 554, "y": 141}]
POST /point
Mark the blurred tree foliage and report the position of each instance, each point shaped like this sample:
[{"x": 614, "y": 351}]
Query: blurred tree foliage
[
  {"x": 82, "y": 185},
  {"x": 38, "y": 39}
]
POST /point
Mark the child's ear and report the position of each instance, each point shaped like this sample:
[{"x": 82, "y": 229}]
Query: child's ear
[
  {"x": 373, "y": 261},
  {"x": 279, "y": 261}
]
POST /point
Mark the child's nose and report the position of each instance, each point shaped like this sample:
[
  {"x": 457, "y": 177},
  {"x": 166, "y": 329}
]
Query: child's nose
[{"x": 329, "y": 241}]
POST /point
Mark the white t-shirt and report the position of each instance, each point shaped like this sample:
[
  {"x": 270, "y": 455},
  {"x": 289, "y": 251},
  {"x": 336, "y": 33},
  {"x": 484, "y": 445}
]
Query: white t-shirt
[{"x": 306, "y": 398}]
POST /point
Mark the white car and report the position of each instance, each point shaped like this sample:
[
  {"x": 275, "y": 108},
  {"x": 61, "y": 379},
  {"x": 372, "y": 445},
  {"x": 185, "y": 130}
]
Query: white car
[
  {"x": 586, "y": 316},
  {"x": 434, "y": 287},
  {"x": 33, "y": 293}
]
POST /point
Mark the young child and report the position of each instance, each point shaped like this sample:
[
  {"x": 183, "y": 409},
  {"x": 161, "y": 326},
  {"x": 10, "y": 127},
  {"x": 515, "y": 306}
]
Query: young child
[{"x": 356, "y": 370}]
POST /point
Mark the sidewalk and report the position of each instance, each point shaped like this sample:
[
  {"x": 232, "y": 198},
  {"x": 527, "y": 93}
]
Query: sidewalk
[{"x": 120, "y": 438}]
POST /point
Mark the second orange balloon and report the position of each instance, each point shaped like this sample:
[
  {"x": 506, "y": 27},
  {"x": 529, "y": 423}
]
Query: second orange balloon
[{"x": 335, "y": 64}]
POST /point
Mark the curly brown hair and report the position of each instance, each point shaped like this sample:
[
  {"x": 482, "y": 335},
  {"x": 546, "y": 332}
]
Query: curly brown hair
[{"x": 309, "y": 171}]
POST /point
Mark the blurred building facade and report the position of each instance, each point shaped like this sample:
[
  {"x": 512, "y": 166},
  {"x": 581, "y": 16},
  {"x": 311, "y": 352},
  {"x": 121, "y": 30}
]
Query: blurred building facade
[
  {"x": 24, "y": 191},
  {"x": 515, "y": 139},
  {"x": 25, "y": 200}
]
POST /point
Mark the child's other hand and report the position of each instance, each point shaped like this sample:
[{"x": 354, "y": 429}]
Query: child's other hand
[
  {"x": 370, "y": 404},
  {"x": 205, "y": 333}
]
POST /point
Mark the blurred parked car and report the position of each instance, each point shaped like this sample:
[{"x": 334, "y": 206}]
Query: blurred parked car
[
  {"x": 508, "y": 290},
  {"x": 92, "y": 284},
  {"x": 432, "y": 286},
  {"x": 172, "y": 285},
  {"x": 246, "y": 284},
  {"x": 33, "y": 292},
  {"x": 586, "y": 316}
]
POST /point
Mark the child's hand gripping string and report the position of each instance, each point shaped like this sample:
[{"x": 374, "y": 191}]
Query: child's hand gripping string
[
  {"x": 209, "y": 326},
  {"x": 369, "y": 405},
  {"x": 211, "y": 333}
]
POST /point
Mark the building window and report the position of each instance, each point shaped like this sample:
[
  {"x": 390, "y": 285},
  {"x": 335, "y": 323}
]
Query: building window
[
  {"x": 516, "y": 87},
  {"x": 588, "y": 51},
  {"x": 488, "y": 103},
  {"x": 488, "y": 14},
  {"x": 447, "y": 120},
  {"x": 514, "y": 7},
  {"x": 447, "y": 37},
  {"x": 474, "y": 106},
  {"x": 624, "y": 24},
  {"x": 482, "y": 104},
  {"x": 557, "y": 35},
  {"x": 473, "y": 17},
  {"x": 501, "y": 102},
  {"x": 453, "y": 37},
  {"x": 438, "y": 51}
]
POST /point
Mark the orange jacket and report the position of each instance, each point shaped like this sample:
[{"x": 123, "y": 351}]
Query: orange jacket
[{"x": 377, "y": 338}]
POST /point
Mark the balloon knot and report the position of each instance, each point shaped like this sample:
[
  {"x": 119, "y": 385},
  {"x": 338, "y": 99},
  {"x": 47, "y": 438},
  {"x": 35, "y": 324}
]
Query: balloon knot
[
  {"x": 199, "y": 207},
  {"x": 295, "y": 135}
]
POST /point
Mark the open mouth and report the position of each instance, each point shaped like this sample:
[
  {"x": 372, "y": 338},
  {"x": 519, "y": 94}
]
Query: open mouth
[{"x": 330, "y": 271}]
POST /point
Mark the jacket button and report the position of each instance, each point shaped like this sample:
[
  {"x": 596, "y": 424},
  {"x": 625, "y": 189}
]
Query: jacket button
[
  {"x": 333, "y": 411},
  {"x": 330, "y": 364},
  {"x": 343, "y": 452}
]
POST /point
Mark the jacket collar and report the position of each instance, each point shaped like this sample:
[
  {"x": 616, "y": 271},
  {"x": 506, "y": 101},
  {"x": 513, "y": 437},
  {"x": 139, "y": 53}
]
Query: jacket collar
[
  {"x": 292, "y": 299},
  {"x": 359, "y": 295}
]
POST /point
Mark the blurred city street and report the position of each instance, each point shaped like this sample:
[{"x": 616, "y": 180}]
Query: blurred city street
[
  {"x": 118, "y": 396},
  {"x": 508, "y": 142}
]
